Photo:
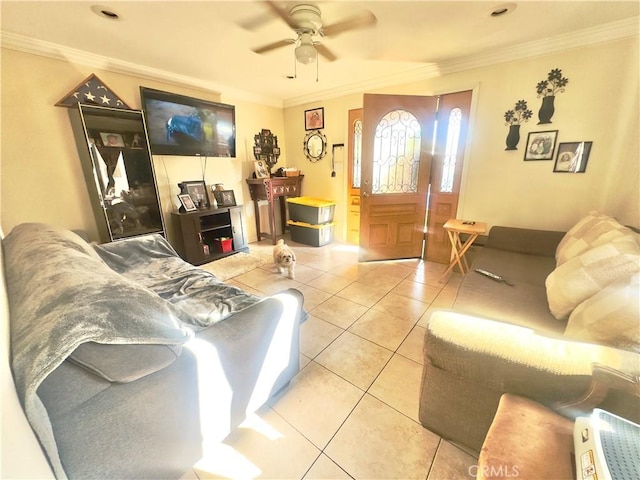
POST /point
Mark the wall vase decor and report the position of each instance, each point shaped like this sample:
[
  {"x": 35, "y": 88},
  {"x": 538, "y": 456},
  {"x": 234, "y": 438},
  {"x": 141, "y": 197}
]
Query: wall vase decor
[
  {"x": 513, "y": 137},
  {"x": 547, "y": 89},
  {"x": 514, "y": 118},
  {"x": 546, "y": 110}
]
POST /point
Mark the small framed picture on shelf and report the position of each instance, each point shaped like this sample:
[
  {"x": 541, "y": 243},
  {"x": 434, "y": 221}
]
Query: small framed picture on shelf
[
  {"x": 314, "y": 119},
  {"x": 572, "y": 157},
  {"x": 260, "y": 167},
  {"x": 111, "y": 139},
  {"x": 187, "y": 202},
  {"x": 225, "y": 198},
  {"x": 197, "y": 190},
  {"x": 540, "y": 145}
]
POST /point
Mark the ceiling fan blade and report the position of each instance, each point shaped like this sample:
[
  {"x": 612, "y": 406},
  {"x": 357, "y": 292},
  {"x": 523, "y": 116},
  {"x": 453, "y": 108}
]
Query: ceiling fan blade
[
  {"x": 325, "y": 52},
  {"x": 283, "y": 14},
  {"x": 274, "y": 45},
  {"x": 363, "y": 20}
]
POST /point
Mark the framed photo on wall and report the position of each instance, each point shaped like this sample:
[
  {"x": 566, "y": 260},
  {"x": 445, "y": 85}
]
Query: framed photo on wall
[
  {"x": 540, "y": 145},
  {"x": 314, "y": 119},
  {"x": 572, "y": 157}
]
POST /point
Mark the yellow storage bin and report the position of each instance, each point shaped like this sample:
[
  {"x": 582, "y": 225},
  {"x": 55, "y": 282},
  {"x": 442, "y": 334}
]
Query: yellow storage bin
[
  {"x": 314, "y": 235},
  {"x": 311, "y": 210}
]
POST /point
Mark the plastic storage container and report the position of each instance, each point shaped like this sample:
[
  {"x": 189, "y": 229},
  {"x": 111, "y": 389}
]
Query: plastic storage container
[
  {"x": 311, "y": 210},
  {"x": 223, "y": 245},
  {"x": 314, "y": 235}
]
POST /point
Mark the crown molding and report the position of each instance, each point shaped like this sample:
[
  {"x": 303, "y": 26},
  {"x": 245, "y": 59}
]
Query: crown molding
[
  {"x": 602, "y": 33},
  {"x": 42, "y": 48}
]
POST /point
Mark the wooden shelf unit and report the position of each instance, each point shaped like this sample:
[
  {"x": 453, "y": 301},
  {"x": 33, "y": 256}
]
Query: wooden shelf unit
[{"x": 200, "y": 233}]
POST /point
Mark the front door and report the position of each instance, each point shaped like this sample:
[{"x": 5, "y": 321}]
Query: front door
[{"x": 396, "y": 161}]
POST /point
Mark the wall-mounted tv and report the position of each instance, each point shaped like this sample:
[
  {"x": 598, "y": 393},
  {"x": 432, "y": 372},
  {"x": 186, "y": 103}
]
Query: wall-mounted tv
[{"x": 181, "y": 125}]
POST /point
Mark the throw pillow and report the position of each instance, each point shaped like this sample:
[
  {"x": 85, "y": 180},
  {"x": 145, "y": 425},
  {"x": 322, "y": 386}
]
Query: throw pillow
[
  {"x": 581, "y": 277},
  {"x": 610, "y": 317},
  {"x": 593, "y": 230}
]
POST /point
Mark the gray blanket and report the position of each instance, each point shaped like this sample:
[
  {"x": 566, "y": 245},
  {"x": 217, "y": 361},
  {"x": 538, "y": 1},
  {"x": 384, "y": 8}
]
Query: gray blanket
[
  {"x": 151, "y": 261},
  {"x": 62, "y": 295}
]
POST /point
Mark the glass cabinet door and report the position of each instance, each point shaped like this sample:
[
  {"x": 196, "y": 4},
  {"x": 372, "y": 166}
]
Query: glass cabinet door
[{"x": 118, "y": 168}]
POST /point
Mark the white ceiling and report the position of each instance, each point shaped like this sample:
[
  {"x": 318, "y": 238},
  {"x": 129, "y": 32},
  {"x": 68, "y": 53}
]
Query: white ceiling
[{"x": 205, "y": 43}]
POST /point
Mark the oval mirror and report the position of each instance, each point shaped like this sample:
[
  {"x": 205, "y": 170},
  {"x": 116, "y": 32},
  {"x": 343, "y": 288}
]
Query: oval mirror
[{"x": 315, "y": 145}]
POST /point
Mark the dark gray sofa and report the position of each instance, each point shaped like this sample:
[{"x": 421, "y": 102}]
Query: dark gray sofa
[
  {"x": 500, "y": 339},
  {"x": 131, "y": 363}
]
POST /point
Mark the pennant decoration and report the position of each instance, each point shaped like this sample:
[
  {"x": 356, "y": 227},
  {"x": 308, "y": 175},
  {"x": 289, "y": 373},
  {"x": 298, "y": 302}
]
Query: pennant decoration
[{"x": 92, "y": 91}]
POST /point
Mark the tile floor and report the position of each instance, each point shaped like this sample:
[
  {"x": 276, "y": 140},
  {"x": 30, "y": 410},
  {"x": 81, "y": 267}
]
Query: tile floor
[{"x": 352, "y": 411}]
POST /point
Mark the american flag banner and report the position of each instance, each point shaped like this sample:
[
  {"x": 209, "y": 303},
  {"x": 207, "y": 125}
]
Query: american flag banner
[{"x": 92, "y": 91}]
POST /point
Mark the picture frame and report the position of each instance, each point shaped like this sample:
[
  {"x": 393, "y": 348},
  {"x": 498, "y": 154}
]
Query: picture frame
[
  {"x": 225, "y": 198},
  {"x": 112, "y": 139},
  {"x": 541, "y": 145},
  {"x": 261, "y": 168},
  {"x": 197, "y": 190},
  {"x": 572, "y": 157},
  {"x": 314, "y": 119},
  {"x": 187, "y": 202}
]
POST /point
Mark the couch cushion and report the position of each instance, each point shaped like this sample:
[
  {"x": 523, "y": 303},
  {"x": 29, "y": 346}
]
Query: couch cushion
[
  {"x": 593, "y": 230},
  {"x": 124, "y": 363},
  {"x": 523, "y": 304},
  {"x": 610, "y": 317},
  {"x": 581, "y": 277}
]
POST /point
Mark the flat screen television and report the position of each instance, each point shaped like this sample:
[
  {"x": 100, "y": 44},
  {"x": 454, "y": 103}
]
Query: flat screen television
[{"x": 181, "y": 125}]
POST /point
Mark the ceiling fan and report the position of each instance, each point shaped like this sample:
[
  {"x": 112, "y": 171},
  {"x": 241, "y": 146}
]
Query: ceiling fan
[{"x": 306, "y": 21}]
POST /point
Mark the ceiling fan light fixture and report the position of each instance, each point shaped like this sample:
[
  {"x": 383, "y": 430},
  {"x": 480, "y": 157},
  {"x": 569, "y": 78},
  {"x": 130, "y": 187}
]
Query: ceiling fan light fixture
[{"x": 306, "y": 53}]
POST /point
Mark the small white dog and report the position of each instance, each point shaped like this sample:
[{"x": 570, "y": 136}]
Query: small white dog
[{"x": 284, "y": 258}]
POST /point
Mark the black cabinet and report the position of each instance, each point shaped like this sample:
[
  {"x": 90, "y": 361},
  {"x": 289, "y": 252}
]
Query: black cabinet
[
  {"x": 118, "y": 169},
  {"x": 206, "y": 235}
]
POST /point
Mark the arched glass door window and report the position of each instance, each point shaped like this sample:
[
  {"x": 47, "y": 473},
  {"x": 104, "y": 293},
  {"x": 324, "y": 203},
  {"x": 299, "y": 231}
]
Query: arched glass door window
[
  {"x": 357, "y": 152},
  {"x": 396, "y": 154},
  {"x": 451, "y": 151}
]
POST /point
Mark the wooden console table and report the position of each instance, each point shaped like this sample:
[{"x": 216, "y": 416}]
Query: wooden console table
[{"x": 270, "y": 189}]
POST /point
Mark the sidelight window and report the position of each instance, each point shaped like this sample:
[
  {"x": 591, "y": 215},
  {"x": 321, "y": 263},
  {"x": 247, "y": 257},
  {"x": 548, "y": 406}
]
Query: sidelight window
[{"x": 451, "y": 151}]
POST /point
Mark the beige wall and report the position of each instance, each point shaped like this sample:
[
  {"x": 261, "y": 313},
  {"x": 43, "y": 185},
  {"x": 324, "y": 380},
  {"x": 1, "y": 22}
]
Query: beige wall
[
  {"x": 42, "y": 179},
  {"x": 600, "y": 104}
]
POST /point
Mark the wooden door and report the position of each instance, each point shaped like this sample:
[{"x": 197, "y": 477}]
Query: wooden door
[
  {"x": 396, "y": 161},
  {"x": 446, "y": 171}
]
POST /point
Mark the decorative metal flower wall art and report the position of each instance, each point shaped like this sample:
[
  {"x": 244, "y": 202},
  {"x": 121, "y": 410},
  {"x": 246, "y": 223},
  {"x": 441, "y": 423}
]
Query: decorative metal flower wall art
[
  {"x": 547, "y": 89},
  {"x": 514, "y": 118}
]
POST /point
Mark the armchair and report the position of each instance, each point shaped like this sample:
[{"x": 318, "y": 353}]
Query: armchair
[{"x": 470, "y": 362}]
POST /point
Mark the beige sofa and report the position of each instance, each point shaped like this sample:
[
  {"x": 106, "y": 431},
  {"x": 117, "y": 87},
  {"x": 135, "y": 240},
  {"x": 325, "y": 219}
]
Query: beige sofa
[{"x": 574, "y": 303}]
